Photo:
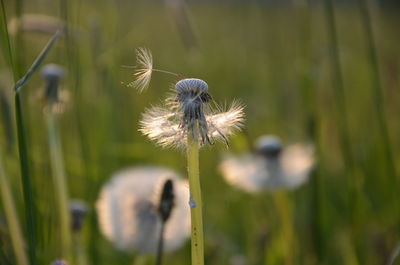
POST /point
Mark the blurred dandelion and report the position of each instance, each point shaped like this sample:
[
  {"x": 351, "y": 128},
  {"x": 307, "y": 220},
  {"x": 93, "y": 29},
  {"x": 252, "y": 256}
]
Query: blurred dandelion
[
  {"x": 55, "y": 98},
  {"x": 144, "y": 69},
  {"x": 35, "y": 23},
  {"x": 131, "y": 213},
  {"x": 78, "y": 210},
  {"x": 52, "y": 74},
  {"x": 59, "y": 262},
  {"x": 270, "y": 167}
]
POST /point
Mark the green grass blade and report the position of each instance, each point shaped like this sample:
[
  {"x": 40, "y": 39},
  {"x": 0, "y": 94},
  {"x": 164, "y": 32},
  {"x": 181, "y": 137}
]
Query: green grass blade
[
  {"x": 36, "y": 64},
  {"x": 30, "y": 211},
  {"x": 12, "y": 219},
  {"x": 5, "y": 40},
  {"x": 377, "y": 88}
]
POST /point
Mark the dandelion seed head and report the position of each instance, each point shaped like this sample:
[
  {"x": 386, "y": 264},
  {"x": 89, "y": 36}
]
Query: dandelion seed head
[
  {"x": 164, "y": 126},
  {"x": 144, "y": 69},
  {"x": 128, "y": 210},
  {"x": 271, "y": 167}
]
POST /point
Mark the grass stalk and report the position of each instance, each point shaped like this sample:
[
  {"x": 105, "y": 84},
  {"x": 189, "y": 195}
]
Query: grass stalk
[
  {"x": 17, "y": 240},
  {"x": 27, "y": 186},
  {"x": 340, "y": 100},
  {"x": 60, "y": 183},
  {"x": 377, "y": 90},
  {"x": 195, "y": 199}
]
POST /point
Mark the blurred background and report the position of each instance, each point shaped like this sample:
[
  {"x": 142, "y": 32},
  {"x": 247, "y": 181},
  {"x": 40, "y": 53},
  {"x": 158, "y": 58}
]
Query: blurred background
[{"x": 305, "y": 71}]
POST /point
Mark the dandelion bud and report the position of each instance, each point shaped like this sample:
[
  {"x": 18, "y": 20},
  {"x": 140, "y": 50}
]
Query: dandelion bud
[
  {"x": 78, "y": 210},
  {"x": 52, "y": 73},
  {"x": 269, "y": 146},
  {"x": 166, "y": 200}
]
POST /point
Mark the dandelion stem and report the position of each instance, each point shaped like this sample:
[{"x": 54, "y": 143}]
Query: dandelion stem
[
  {"x": 160, "y": 246},
  {"x": 12, "y": 219},
  {"x": 60, "y": 184},
  {"x": 195, "y": 197}
]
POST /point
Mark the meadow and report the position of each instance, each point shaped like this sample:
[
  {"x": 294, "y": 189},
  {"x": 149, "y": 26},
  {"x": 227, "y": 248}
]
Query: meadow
[{"x": 305, "y": 72}]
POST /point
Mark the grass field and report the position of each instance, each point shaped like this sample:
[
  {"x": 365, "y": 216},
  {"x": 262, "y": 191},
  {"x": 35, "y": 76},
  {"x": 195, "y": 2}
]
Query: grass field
[{"x": 279, "y": 61}]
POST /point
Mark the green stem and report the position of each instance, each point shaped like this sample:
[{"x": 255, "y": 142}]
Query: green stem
[
  {"x": 195, "y": 199},
  {"x": 79, "y": 256},
  {"x": 60, "y": 183},
  {"x": 377, "y": 89},
  {"x": 12, "y": 219},
  {"x": 27, "y": 187},
  {"x": 340, "y": 100}
]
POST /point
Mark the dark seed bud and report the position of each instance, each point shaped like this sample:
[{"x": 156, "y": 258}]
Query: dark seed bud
[
  {"x": 268, "y": 146},
  {"x": 78, "y": 211},
  {"x": 166, "y": 200},
  {"x": 52, "y": 73}
]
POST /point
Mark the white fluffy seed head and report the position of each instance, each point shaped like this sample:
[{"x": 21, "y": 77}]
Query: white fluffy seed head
[
  {"x": 163, "y": 125},
  {"x": 128, "y": 215},
  {"x": 255, "y": 172}
]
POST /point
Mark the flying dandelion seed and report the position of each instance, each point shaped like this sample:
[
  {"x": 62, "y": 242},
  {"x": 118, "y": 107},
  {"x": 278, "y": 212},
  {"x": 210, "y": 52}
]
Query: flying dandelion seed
[
  {"x": 128, "y": 210},
  {"x": 169, "y": 125},
  {"x": 270, "y": 167},
  {"x": 144, "y": 69}
]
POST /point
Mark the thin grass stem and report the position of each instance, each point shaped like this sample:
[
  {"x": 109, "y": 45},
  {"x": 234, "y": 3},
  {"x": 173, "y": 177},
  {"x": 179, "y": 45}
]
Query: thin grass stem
[
  {"x": 17, "y": 240},
  {"x": 60, "y": 183},
  {"x": 377, "y": 88},
  {"x": 195, "y": 198},
  {"x": 27, "y": 188},
  {"x": 340, "y": 100}
]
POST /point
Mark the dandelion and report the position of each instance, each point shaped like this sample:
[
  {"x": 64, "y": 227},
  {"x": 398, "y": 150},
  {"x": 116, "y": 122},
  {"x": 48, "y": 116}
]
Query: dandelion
[
  {"x": 270, "y": 167},
  {"x": 55, "y": 99},
  {"x": 52, "y": 74},
  {"x": 78, "y": 210},
  {"x": 132, "y": 209},
  {"x": 186, "y": 114},
  {"x": 144, "y": 70},
  {"x": 188, "y": 121}
]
